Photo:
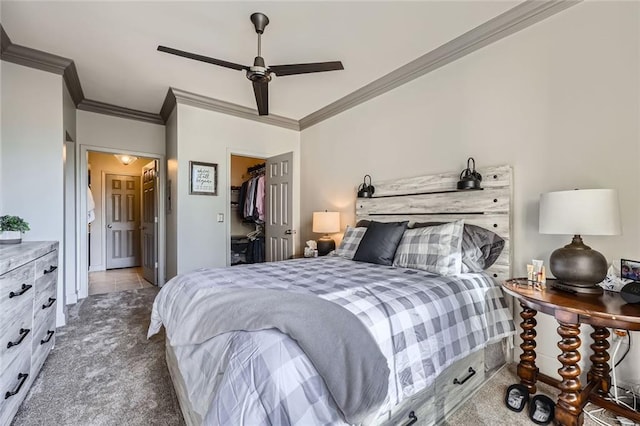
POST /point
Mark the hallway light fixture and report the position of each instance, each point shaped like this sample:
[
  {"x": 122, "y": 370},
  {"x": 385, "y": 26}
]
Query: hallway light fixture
[{"x": 125, "y": 159}]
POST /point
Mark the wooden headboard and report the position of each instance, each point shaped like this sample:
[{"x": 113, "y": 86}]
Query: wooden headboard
[{"x": 434, "y": 198}]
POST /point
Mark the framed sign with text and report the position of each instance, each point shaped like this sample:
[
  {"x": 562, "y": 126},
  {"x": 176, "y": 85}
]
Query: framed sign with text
[{"x": 203, "y": 178}]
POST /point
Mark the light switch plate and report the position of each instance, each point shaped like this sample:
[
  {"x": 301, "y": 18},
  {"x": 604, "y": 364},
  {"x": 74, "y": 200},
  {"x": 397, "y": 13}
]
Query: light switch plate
[{"x": 220, "y": 217}]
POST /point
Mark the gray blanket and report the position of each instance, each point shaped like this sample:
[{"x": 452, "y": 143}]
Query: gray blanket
[{"x": 337, "y": 343}]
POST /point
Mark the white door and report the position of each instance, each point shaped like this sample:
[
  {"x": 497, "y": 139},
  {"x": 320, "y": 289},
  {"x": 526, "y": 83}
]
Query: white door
[
  {"x": 123, "y": 221},
  {"x": 150, "y": 223},
  {"x": 279, "y": 201}
]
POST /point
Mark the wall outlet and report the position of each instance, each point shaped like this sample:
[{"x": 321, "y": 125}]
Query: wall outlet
[{"x": 220, "y": 217}]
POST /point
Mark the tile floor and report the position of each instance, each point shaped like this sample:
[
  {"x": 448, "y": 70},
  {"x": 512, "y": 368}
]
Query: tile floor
[{"x": 116, "y": 280}]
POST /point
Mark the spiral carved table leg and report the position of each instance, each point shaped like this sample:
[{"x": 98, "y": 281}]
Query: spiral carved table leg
[
  {"x": 600, "y": 360},
  {"x": 569, "y": 407},
  {"x": 527, "y": 370}
]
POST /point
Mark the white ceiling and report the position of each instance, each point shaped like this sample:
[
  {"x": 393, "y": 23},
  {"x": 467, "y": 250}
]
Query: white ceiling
[{"x": 114, "y": 44}]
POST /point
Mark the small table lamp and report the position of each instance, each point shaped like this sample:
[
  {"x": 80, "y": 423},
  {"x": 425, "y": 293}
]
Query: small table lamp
[
  {"x": 326, "y": 223},
  {"x": 576, "y": 266}
]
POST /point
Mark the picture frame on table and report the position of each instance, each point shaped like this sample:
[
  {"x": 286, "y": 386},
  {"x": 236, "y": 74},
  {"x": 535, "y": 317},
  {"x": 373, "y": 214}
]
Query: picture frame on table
[
  {"x": 630, "y": 269},
  {"x": 203, "y": 178}
]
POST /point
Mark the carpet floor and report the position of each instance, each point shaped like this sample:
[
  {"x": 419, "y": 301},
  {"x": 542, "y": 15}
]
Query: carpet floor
[{"x": 104, "y": 372}]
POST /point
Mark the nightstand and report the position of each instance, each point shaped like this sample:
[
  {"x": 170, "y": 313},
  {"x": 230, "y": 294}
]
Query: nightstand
[{"x": 601, "y": 311}]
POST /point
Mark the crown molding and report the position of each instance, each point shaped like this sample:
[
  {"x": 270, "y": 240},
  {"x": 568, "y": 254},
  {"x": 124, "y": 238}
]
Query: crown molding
[
  {"x": 513, "y": 20},
  {"x": 229, "y": 108},
  {"x": 118, "y": 111},
  {"x": 168, "y": 105},
  {"x": 5, "y": 41}
]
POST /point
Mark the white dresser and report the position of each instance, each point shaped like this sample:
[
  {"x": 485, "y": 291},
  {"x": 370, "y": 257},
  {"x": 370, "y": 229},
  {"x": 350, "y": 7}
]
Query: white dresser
[{"x": 28, "y": 291}]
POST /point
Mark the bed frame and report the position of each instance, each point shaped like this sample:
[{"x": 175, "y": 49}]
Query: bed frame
[{"x": 430, "y": 198}]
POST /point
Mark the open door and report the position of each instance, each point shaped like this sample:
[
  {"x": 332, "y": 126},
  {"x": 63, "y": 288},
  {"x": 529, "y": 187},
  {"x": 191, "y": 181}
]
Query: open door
[
  {"x": 150, "y": 222},
  {"x": 279, "y": 201}
]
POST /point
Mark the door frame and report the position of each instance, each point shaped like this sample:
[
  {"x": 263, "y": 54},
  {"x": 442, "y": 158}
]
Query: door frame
[
  {"x": 238, "y": 153},
  {"x": 103, "y": 211},
  {"x": 82, "y": 261}
]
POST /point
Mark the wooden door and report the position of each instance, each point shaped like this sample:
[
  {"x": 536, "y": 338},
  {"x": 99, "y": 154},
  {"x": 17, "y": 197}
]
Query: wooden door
[
  {"x": 123, "y": 221},
  {"x": 150, "y": 222},
  {"x": 279, "y": 214}
]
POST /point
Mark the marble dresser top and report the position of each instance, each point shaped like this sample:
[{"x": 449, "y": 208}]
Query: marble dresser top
[{"x": 14, "y": 255}]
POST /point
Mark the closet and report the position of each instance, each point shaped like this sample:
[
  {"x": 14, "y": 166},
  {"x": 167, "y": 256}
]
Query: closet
[{"x": 247, "y": 210}]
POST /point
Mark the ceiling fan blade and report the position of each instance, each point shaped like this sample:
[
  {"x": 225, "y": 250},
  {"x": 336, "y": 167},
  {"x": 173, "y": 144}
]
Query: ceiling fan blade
[
  {"x": 261, "y": 90},
  {"x": 201, "y": 58},
  {"x": 282, "y": 70}
]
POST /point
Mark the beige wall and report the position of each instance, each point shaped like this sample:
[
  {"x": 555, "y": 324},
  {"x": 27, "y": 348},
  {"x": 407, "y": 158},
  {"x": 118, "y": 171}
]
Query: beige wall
[
  {"x": 101, "y": 164},
  {"x": 558, "y": 101}
]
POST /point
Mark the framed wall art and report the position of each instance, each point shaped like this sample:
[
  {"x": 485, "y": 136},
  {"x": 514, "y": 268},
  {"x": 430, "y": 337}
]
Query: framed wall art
[{"x": 203, "y": 178}]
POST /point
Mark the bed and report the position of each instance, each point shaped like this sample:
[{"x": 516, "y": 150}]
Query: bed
[{"x": 440, "y": 336}]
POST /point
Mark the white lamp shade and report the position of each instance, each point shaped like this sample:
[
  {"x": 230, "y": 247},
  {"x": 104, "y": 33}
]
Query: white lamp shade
[
  {"x": 580, "y": 212},
  {"x": 326, "y": 222}
]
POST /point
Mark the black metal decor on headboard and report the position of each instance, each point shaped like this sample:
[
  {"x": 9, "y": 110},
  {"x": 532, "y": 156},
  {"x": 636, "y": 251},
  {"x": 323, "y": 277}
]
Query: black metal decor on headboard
[
  {"x": 469, "y": 178},
  {"x": 366, "y": 190}
]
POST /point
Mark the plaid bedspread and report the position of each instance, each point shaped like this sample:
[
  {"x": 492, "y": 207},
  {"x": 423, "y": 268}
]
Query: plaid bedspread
[{"x": 422, "y": 323}]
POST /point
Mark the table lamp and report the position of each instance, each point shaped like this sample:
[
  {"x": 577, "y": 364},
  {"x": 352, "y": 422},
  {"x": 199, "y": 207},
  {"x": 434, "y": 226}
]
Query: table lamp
[
  {"x": 326, "y": 223},
  {"x": 576, "y": 266}
]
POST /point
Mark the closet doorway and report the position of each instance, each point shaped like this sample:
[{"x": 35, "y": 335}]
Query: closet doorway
[
  {"x": 247, "y": 210},
  {"x": 261, "y": 208}
]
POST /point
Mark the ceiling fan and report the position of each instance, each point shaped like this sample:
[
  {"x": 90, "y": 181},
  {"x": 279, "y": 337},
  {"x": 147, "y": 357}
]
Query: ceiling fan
[{"x": 259, "y": 73}]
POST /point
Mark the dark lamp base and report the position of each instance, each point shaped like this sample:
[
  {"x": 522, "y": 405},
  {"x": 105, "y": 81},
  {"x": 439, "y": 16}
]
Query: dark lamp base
[
  {"x": 578, "y": 268},
  {"x": 325, "y": 246}
]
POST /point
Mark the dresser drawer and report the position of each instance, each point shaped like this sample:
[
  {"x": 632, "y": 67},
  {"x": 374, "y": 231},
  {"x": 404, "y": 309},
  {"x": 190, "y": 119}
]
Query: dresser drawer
[
  {"x": 459, "y": 381},
  {"x": 16, "y": 312},
  {"x": 15, "y": 286},
  {"x": 16, "y": 342},
  {"x": 44, "y": 309},
  {"x": 47, "y": 265},
  {"x": 43, "y": 340},
  {"x": 15, "y": 385}
]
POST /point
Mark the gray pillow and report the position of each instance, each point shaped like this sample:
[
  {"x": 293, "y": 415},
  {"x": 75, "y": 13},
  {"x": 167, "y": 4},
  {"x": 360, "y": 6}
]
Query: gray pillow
[
  {"x": 435, "y": 249},
  {"x": 350, "y": 242},
  {"x": 380, "y": 242},
  {"x": 480, "y": 247}
]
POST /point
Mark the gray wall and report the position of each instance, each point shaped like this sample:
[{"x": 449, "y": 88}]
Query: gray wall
[
  {"x": 558, "y": 101},
  {"x": 207, "y": 136},
  {"x": 32, "y": 157}
]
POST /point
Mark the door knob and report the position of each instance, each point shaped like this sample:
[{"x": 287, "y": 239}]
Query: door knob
[
  {"x": 109, "y": 226},
  {"x": 290, "y": 231}
]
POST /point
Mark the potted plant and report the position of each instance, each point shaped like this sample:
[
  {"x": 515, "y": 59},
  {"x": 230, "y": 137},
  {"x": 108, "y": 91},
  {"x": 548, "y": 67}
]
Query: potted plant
[{"x": 11, "y": 229}]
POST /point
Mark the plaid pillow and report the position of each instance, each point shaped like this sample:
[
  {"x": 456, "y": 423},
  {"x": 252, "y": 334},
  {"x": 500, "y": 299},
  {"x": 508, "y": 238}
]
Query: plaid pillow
[
  {"x": 350, "y": 242},
  {"x": 436, "y": 249}
]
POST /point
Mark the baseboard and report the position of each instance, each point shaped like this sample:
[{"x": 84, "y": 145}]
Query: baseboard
[{"x": 97, "y": 268}]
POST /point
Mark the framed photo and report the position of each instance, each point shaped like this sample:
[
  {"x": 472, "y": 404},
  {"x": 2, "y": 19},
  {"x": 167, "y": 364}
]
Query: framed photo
[
  {"x": 203, "y": 178},
  {"x": 630, "y": 269}
]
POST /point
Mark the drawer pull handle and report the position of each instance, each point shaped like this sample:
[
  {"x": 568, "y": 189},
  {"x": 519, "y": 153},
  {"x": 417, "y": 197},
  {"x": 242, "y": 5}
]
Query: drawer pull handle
[
  {"x": 49, "y": 303},
  {"x": 412, "y": 419},
  {"x": 24, "y": 289},
  {"x": 472, "y": 373},
  {"x": 23, "y": 378},
  {"x": 51, "y": 269},
  {"x": 49, "y": 336},
  {"x": 23, "y": 334}
]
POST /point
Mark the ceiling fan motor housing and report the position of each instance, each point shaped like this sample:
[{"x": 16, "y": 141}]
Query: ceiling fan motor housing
[{"x": 259, "y": 72}]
